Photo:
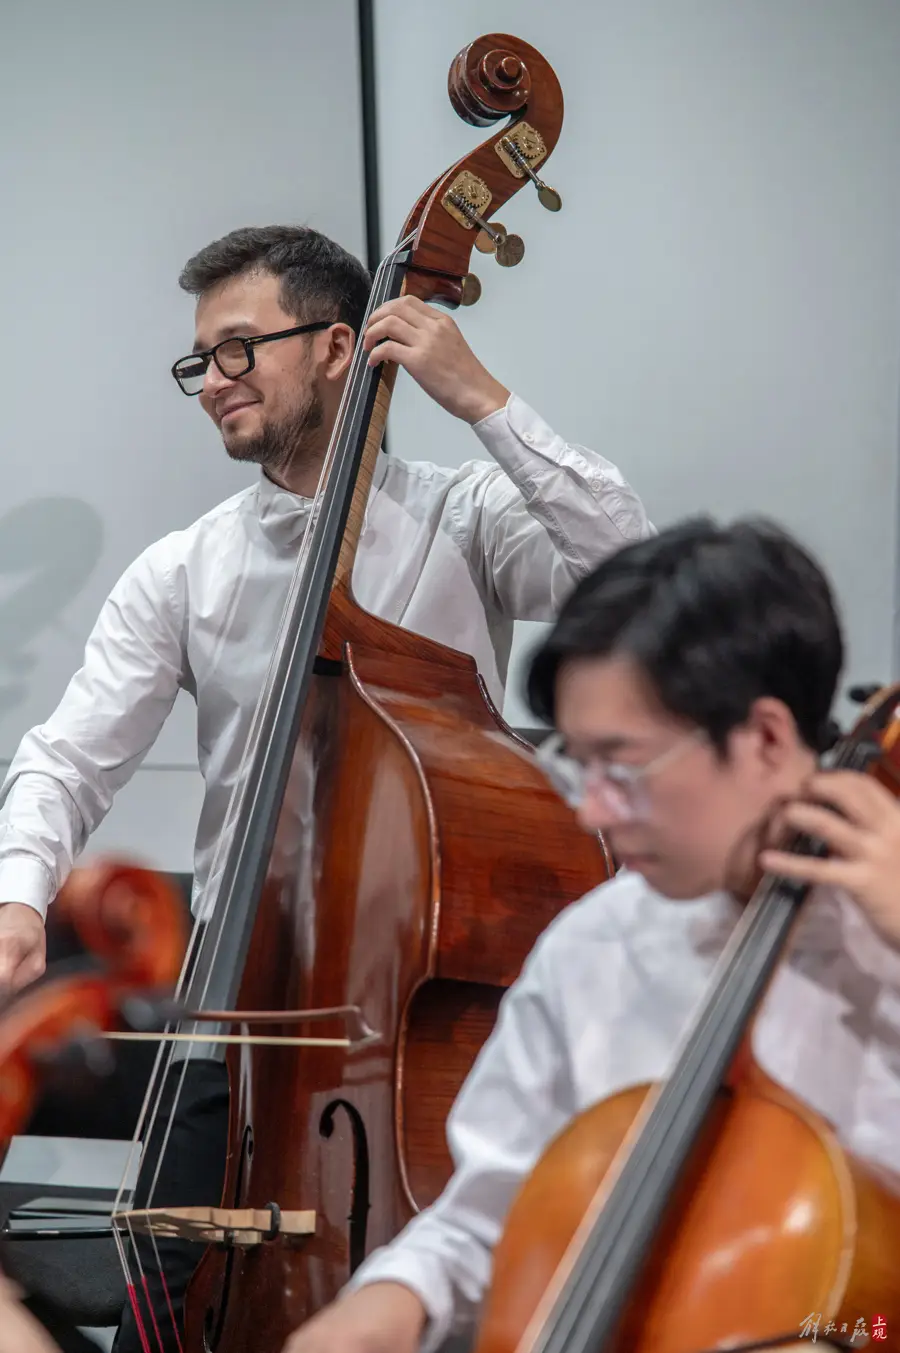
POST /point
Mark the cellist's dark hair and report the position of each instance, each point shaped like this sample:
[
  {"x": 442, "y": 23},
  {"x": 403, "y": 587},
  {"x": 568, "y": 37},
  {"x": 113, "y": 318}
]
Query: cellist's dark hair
[
  {"x": 316, "y": 274},
  {"x": 715, "y": 617}
]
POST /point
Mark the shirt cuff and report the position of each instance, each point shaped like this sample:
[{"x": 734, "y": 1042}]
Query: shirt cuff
[
  {"x": 518, "y": 419},
  {"x": 25, "y": 879},
  {"x": 522, "y": 443},
  {"x": 427, "y": 1281}
]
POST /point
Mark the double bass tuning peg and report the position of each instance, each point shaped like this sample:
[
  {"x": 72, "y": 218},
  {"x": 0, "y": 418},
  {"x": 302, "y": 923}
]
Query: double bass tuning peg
[
  {"x": 471, "y": 289},
  {"x": 517, "y": 161},
  {"x": 492, "y": 238}
]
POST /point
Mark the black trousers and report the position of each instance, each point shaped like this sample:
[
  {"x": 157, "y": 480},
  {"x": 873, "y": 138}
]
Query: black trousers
[{"x": 191, "y": 1175}]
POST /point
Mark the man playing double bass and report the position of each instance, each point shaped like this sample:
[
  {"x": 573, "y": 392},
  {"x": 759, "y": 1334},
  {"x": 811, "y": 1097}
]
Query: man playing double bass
[
  {"x": 691, "y": 679},
  {"x": 457, "y": 555}
]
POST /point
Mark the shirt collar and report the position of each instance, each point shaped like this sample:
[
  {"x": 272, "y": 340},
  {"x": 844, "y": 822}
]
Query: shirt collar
[
  {"x": 282, "y": 515},
  {"x": 711, "y": 919}
]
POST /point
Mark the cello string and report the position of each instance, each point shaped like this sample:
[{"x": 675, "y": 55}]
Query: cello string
[
  {"x": 606, "y": 1239},
  {"x": 604, "y": 1273},
  {"x": 354, "y": 391}
]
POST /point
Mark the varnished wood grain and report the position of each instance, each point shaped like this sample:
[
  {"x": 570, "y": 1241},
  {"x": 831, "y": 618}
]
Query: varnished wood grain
[
  {"x": 447, "y": 1025},
  {"x": 357, "y": 513},
  {"x": 443, "y": 248},
  {"x": 773, "y": 1220}
]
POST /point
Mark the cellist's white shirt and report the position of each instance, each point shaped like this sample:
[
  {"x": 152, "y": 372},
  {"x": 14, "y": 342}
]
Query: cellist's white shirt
[
  {"x": 456, "y": 555},
  {"x": 601, "y": 1004}
]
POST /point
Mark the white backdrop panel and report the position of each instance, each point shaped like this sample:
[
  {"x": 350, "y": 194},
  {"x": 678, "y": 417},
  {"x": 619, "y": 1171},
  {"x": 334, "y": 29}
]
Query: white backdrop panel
[
  {"x": 717, "y": 306},
  {"x": 130, "y": 136}
]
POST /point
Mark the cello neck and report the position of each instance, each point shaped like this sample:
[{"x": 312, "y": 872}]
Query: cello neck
[{"x": 596, "y": 1280}]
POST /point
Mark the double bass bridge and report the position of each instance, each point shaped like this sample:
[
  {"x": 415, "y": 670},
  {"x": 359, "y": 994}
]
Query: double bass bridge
[{"x": 230, "y": 1227}]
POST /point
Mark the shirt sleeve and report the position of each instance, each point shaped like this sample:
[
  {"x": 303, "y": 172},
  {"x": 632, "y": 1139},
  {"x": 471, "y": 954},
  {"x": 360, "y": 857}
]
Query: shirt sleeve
[
  {"x": 517, "y": 1096},
  {"x": 551, "y": 513},
  {"x": 63, "y": 778}
]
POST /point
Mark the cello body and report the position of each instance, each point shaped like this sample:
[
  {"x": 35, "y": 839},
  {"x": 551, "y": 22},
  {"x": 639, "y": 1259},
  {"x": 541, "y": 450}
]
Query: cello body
[
  {"x": 427, "y": 854},
  {"x": 774, "y": 1222}
]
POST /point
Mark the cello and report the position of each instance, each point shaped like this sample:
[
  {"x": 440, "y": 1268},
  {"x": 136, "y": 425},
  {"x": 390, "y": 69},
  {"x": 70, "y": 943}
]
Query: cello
[
  {"x": 130, "y": 921},
  {"x": 394, "y": 850},
  {"x": 715, "y": 1210}
]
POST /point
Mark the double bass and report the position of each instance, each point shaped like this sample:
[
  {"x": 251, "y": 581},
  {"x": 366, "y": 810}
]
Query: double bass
[{"x": 394, "y": 852}]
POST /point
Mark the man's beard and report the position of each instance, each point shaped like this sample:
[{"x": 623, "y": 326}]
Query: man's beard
[{"x": 278, "y": 445}]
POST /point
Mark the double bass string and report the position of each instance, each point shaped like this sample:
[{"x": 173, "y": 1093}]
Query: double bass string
[
  {"x": 351, "y": 403},
  {"x": 235, "y": 807},
  {"x": 240, "y": 790},
  {"x": 239, "y": 793}
]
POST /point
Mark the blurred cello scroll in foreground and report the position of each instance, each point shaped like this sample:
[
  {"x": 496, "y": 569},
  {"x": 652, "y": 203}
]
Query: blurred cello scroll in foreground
[
  {"x": 395, "y": 849},
  {"x": 715, "y": 1210},
  {"x": 131, "y": 923}
]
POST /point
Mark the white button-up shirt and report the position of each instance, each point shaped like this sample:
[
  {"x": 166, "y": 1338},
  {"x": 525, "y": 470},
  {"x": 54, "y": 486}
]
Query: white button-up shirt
[
  {"x": 456, "y": 555},
  {"x": 600, "y": 1005}
]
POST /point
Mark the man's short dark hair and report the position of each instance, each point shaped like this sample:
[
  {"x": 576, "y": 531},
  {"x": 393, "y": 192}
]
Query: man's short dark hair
[
  {"x": 316, "y": 274},
  {"x": 716, "y": 617}
]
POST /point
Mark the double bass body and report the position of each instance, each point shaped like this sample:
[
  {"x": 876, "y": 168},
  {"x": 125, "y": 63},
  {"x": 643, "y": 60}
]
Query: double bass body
[{"x": 430, "y": 853}]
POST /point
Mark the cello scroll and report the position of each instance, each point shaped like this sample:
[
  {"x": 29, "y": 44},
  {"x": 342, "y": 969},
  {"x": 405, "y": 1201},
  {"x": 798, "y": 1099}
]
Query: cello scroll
[{"x": 133, "y": 921}]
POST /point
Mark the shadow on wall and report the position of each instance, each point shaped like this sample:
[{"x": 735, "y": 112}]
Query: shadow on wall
[{"x": 48, "y": 550}]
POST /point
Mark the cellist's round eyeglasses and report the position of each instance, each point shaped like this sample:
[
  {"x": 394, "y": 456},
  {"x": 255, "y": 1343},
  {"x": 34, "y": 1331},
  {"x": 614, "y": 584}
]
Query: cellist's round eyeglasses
[
  {"x": 233, "y": 356},
  {"x": 624, "y": 787}
]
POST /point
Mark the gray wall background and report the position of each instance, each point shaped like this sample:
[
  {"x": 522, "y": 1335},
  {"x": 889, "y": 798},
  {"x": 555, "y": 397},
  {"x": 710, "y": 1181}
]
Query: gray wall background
[{"x": 130, "y": 136}]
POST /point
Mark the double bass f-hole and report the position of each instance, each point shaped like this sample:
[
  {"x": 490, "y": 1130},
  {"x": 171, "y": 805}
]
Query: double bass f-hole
[{"x": 359, "y": 1189}]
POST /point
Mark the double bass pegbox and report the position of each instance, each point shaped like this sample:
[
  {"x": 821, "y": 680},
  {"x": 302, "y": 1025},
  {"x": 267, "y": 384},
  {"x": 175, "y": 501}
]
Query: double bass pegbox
[
  {"x": 465, "y": 200},
  {"x": 521, "y": 150}
]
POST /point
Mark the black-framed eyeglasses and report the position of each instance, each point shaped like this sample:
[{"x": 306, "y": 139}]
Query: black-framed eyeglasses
[{"x": 233, "y": 356}]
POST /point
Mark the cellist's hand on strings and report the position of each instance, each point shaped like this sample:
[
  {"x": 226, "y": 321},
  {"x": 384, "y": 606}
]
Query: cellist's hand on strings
[
  {"x": 23, "y": 946},
  {"x": 859, "y": 822},
  {"x": 384, "y": 1317},
  {"x": 428, "y": 344}
]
